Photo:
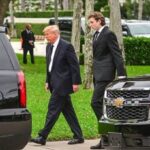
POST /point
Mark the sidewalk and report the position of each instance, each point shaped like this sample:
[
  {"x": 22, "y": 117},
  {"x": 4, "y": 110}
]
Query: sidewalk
[
  {"x": 61, "y": 145},
  {"x": 39, "y": 50}
]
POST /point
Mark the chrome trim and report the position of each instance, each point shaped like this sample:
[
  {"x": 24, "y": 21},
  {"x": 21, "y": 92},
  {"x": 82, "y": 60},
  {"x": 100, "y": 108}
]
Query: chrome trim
[{"x": 115, "y": 122}]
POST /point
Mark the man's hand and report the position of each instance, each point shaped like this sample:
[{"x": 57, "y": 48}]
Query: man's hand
[
  {"x": 31, "y": 42},
  {"x": 46, "y": 87},
  {"x": 75, "y": 88}
]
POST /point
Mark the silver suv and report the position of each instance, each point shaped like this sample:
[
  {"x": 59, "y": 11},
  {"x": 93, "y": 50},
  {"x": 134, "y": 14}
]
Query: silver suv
[
  {"x": 126, "y": 114},
  {"x": 136, "y": 28}
]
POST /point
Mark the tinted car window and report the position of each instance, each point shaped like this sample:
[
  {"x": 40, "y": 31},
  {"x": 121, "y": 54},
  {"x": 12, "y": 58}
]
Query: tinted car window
[
  {"x": 4, "y": 58},
  {"x": 65, "y": 26}
]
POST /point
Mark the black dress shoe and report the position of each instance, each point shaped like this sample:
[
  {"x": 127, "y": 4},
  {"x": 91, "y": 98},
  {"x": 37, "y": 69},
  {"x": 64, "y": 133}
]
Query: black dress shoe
[
  {"x": 98, "y": 146},
  {"x": 76, "y": 141},
  {"x": 39, "y": 140}
]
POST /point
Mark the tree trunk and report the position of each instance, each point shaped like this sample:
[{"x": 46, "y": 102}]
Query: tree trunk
[
  {"x": 88, "y": 53},
  {"x": 56, "y": 11},
  {"x": 115, "y": 23},
  {"x": 11, "y": 11},
  {"x": 61, "y": 4},
  {"x": 23, "y": 5},
  {"x": 43, "y": 5},
  {"x": 70, "y": 4},
  {"x": 65, "y": 4},
  {"x": 140, "y": 10},
  {"x": 3, "y": 9},
  {"x": 76, "y": 26}
]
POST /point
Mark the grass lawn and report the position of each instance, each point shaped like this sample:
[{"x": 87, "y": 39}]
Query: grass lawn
[{"x": 38, "y": 101}]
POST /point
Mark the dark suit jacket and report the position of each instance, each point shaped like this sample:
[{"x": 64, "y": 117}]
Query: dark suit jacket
[
  {"x": 65, "y": 69},
  {"x": 26, "y": 37},
  {"x": 107, "y": 57}
]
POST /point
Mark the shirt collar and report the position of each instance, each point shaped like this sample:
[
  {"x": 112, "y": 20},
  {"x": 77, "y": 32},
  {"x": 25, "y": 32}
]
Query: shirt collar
[
  {"x": 56, "y": 42},
  {"x": 100, "y": 30},
  {"x": 28, "y": 31}
]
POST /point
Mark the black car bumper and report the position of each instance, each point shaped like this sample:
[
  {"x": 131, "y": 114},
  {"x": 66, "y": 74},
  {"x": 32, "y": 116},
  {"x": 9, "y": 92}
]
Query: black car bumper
[{"x": 15, "y": 128}]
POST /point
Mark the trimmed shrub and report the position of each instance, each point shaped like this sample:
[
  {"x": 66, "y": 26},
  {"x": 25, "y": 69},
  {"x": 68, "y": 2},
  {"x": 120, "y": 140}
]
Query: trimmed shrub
[
  {"x": 137, "y": 50},
  {"x": 46, "y": 14},
  {"x": 36, "y": 28}
]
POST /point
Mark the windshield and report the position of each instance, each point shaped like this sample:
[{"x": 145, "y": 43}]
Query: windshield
[{"x": 139, "y": 29}]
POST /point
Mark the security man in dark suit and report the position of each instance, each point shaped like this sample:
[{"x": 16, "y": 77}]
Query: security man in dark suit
[
  {"x": 63, "y": 78},
  {"x": 28, "y": 39},
  {"x": 107, "y": 58}
]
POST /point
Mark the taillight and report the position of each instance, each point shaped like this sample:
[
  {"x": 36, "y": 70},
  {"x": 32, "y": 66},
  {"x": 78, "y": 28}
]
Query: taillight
[{"x": 22, "y": 89}]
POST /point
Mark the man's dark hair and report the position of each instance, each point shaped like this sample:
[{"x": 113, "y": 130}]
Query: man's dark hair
[{"x": 97, "y": 16}]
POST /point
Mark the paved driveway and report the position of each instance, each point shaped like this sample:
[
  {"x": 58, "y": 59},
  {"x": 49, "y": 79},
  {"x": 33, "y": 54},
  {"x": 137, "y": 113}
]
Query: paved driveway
[
  {"x": 62, "y": 145},
  {"x": 39, "y": 50}
]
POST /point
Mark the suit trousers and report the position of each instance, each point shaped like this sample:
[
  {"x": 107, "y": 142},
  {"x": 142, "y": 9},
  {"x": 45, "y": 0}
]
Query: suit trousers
[
  {"x": 58, "y": 104},
  {"x": 97, "y": 98},
  {"x": 25, "y": 51}
]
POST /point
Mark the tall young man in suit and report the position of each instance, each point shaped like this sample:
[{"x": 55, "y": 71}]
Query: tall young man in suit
[
  {"x": 63, "y": 78},
  {"x": 28, "y": 39},
  {"x": 107, "y": 58}
]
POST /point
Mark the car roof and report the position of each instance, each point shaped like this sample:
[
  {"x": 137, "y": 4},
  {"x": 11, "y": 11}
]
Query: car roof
[{"x": 136, "y": 22}]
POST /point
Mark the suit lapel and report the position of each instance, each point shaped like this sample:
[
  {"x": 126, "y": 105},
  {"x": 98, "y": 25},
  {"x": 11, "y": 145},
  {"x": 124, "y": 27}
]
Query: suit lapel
[
  {"x": 100, "y": 37},
  {"x": 48, "y": 53},
  {"x": 102, "y": 33}
]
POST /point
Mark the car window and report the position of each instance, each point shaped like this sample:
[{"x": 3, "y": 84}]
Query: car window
[
  {"x": 65, "y": 24},
  {"x": 5, "y": 63},
  {"x": 51, "y": 22},
  {"x": 139, "y": 29}
]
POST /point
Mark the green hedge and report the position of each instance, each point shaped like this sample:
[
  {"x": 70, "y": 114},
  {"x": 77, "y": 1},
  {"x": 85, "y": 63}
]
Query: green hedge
[
  {"x": 137, "y": 50},
  {"x": 46, "y": 14},
  {"x": 36, "y": 28}
]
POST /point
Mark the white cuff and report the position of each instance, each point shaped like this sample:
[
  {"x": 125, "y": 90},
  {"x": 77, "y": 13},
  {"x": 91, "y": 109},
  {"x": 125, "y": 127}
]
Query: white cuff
[{"x": 122, "y": 77}]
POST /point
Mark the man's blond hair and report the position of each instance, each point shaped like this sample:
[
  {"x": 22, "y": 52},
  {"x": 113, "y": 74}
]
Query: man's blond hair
[{"x": 51, "y": 28}]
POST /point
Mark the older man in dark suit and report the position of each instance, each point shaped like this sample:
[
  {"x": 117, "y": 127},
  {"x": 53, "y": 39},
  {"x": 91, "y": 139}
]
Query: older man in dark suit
[
  {"x": 63, "y": 78},
  {"x": 107, "y": 58},
  {"x": 28, "y": 39}
]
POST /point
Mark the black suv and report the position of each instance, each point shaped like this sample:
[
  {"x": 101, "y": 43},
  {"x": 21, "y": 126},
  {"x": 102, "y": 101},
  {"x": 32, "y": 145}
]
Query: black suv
[
  {"x": 15, "y": 119},
  {"x": 65, "y": 26},
  {"x": 126, "y": 114}
]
